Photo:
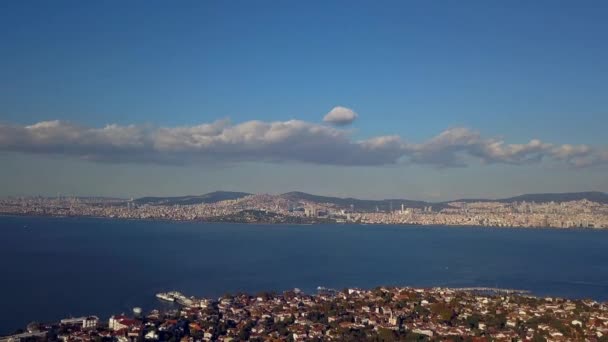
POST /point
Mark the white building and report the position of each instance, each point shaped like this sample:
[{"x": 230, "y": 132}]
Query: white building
[{"x": 88, "y": 322}]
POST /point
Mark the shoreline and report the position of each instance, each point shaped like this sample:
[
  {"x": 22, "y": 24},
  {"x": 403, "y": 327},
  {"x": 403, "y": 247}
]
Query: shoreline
[
  {"x": 412, "y": 225},
  {"x": 405, "y": 310}
]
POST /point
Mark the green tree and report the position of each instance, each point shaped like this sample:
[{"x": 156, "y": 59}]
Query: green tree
[
  {"x": 473, "y": 321},
  {"x": 386, "y": 335}
]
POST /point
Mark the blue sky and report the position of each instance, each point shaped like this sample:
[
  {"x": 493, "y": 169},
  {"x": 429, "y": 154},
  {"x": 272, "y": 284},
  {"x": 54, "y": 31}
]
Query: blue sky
[{"x": 512, "y": 71}]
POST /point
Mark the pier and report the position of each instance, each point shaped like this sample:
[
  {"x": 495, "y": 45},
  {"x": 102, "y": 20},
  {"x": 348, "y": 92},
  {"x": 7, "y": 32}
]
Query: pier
[{"x": 491, "y": 289}]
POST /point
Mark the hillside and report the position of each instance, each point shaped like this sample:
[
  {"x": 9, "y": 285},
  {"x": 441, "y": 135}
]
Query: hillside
[
  {"x": 594, "y": 196},
  {"x": 372, "y": 205},
  {"x": 360, "y": 204},
  {"x": 211, "y": 197}
]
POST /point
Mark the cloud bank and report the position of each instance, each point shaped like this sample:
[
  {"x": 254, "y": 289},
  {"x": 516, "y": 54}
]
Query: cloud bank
[
  {"x": 281, "y": 141},
  {"x": 340, "y": 116}
]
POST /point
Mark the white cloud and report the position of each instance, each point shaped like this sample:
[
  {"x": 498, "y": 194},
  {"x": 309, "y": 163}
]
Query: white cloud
[
  {"x": 280, "y": 141},
  {"x": 455, "y": 147},
  {"x": 340, "y": 116}
]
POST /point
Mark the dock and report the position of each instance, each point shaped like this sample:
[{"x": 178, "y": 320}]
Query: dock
[{"x": 491, "y": 289}]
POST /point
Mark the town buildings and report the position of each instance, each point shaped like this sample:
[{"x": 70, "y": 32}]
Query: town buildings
[
  {"x": 277, "y": 209},
  {"x": 380, "y": 314}
]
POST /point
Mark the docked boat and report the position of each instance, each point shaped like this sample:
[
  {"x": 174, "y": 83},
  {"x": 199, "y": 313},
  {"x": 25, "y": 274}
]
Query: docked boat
[
  {"x": 185, "y": 301},
  {"x": 178, "y": 297},
  {"x": 165, "y": 296}
]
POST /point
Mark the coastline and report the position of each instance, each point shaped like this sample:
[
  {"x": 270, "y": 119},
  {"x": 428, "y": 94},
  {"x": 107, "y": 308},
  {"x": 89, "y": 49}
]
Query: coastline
[
  {"x": 394, "y": 311},
  {"x": 409, "y": 225},
  {"x": 162, "y": 256}
]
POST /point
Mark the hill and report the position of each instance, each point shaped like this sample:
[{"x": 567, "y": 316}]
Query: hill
[
  {"x": 360, "y": 204},
  {"x": 211, "y": 197},
  {"x": 372, "y": 205},
  {"x": 594, "y": 196},
  {"x": 386, "y": 204}
]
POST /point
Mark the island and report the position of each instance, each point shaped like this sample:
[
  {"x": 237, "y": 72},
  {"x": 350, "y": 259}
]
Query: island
[{"x": 351, "y": 314}]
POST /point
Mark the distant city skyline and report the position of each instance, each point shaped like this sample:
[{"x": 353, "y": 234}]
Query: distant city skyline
[{"x": 409, "y": 100}]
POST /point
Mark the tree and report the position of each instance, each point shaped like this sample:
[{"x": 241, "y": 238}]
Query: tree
[
  {"x": 473, "y": 321},
  {"x": 538, "y": 338},
  {"x": 443, "y": 310},
  {"x": 245, "y": 332},
  {"x": 497, "y": 321},
  {"x": 386, "y": 335},
  {"x": 316, "y": 317}
]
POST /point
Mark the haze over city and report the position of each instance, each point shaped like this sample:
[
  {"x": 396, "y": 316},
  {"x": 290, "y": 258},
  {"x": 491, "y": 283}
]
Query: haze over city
[{"x": 400, "y": 100}]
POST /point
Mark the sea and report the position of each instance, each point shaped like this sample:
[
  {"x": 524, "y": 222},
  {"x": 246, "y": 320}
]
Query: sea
[{"x": 53, "y": 268}]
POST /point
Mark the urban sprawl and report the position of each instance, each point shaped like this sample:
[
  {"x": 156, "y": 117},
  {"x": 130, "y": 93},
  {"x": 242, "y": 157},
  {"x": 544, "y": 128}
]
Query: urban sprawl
[
  {"x": 380, "y": 314},
  {"x": 278, "y": 209}
]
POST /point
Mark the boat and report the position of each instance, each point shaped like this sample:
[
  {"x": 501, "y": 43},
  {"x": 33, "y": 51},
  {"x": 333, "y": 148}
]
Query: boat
[
  {"x": 322, "y": 290},
  {"x": 178, "y": 297},
  {"x": 176, "y": 294},
  {"x": 165, "y": 296},
  {"x": 185, "y": 301}
]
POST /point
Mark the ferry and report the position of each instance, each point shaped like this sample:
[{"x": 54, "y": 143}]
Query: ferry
[
  {"x": 178, "y": 297},
  {"x": 165, "y": 296},
  {"x": 326, "y": 291},
  {"x": 185, "y": 301}
]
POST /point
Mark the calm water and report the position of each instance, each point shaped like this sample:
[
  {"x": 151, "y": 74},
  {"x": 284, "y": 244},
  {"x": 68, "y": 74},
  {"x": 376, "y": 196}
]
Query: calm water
[{"x": 57, "y": 267}]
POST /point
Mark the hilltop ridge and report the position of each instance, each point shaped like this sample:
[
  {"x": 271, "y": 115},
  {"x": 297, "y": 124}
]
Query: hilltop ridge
[
  {"x": 212, "y": 197},
  {"x": 367, "y": 204}
]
